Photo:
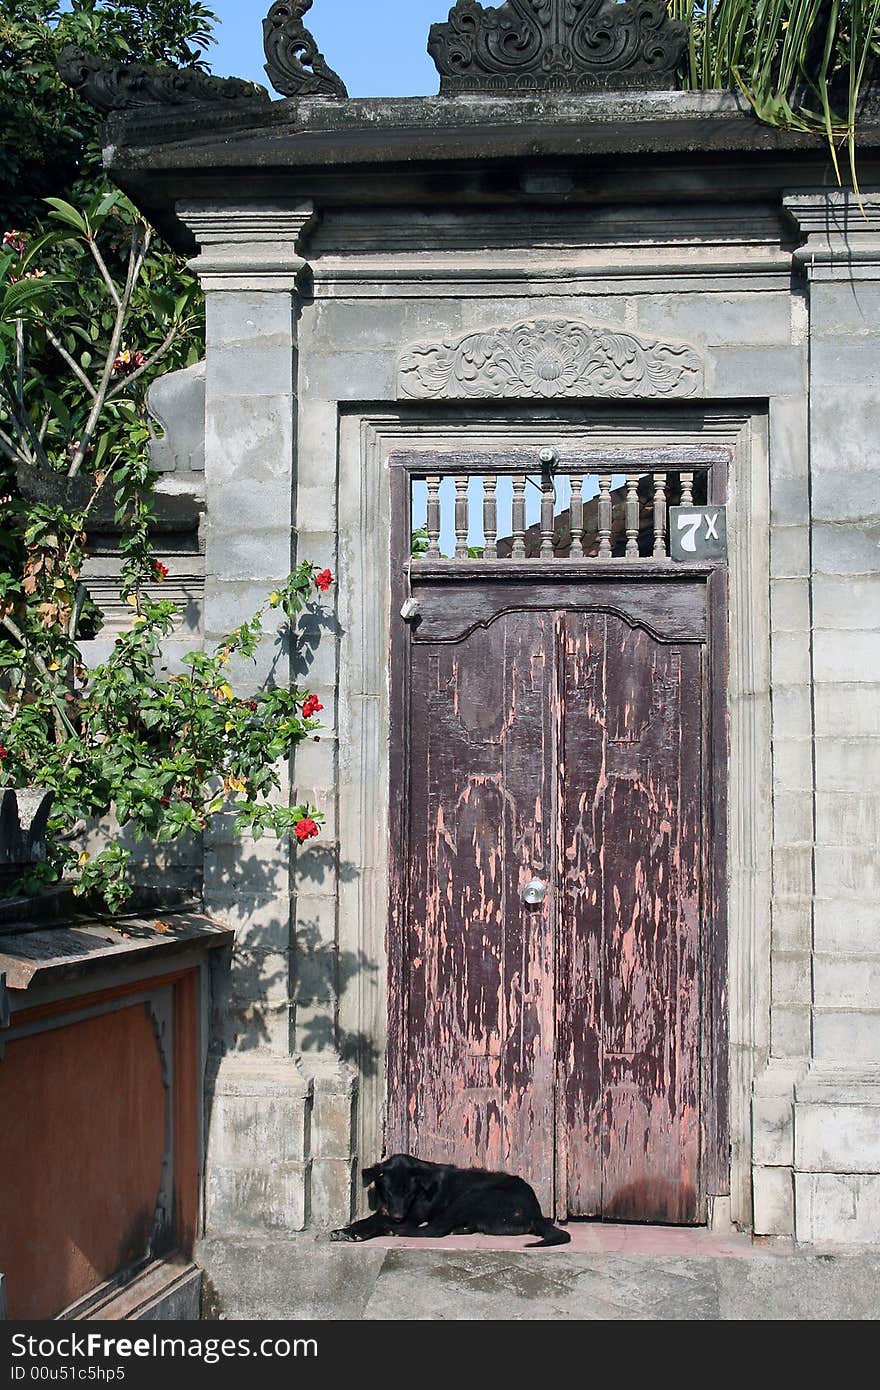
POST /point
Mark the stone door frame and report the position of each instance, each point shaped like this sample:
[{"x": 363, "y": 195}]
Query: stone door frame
[{"x": 367, "y": 436}]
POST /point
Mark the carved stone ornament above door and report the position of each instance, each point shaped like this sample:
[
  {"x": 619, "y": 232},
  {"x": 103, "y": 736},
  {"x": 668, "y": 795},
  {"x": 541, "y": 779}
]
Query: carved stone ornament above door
[
  {"x": 549, "y": 359},
  {"x": 525, "y": 46}
]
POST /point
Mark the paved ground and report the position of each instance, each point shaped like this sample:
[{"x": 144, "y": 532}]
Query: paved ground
[{"x": 607, "y": 1273}]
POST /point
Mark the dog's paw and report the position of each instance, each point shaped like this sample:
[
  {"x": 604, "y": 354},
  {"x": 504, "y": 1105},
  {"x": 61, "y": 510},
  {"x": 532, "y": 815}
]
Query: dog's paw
[{"x": 342, "y": 1234}]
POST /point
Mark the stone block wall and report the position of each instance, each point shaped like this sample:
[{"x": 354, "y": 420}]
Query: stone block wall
[{"x": 303, "y": 406}]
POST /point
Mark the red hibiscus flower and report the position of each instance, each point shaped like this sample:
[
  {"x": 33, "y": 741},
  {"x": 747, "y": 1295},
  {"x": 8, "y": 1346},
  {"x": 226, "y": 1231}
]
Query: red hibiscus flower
[
  {"x": 160, "y": 571},
  {"x": 306, "y": 830},
  {"x": 323, "y": 581},
  {"x": 311, "y": 707},
  {"x": 4, "y": 752}
]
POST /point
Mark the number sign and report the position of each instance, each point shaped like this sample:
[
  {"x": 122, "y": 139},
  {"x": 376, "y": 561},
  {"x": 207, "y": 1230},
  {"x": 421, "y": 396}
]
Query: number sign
[{"x": 698, "y": 533}]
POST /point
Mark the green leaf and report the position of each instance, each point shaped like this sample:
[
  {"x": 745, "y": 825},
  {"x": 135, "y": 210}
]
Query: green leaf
[{"x": 68, "y": 215}]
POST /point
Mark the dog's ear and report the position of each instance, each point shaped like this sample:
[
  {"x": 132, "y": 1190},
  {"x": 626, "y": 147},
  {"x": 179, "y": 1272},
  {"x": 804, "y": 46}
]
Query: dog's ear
[{"x": 369, "y": 1175}]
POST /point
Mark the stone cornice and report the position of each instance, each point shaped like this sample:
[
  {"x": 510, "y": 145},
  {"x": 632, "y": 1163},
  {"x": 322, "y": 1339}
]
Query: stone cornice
[
  {"x": 252, "y": 247},
  {"x": 841, "y": 231}
]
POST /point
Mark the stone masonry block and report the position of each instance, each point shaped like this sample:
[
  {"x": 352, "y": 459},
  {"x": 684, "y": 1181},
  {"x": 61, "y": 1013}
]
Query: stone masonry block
[
  {"x": 792, "y": 818},
  {"x": 332, "y": 1192},
  {"x": 773, "y": 1201},
  {"x": 850, "y": 309},
  {"x": 839, "y": 495},
  {"x": 792, "y": 925},
  {"x": 251, "y": 371},
  {"x": 844, "y": 363},
  {"x": 717, "y": 319},
  {"x": 333, "y": 1115},
  {"x": 790, "y": 658},
  {"x": 847, "y": 602},
  {"x": 837, "y": 1208},
  {"x": 237, "y": 318},
  {"x": 260, "y": 921},
  {"x": 842, "y": 425},
  {"x": 789, "y": 552},
  {"x": 848, "y": 818},
  {"x": 350, "y": 376},
  {"x": 845, "y": 765},
  {"x": 255, "y": 868},
  {"x": 845, "y": 548},
  {"x": 855, "y": 871},
  {"x": 773, "y": 1130},
  {"x": 792, "y": 868},
  {"x": 837, "y": 1138},
  {"x": 790, "y": 605},
  {"x": 253, "y": 1201},
  {"x": 262, "y": 977},
  {"x": 846, "y": 1037},
  {"x": 245, "y": 1128},
  {"x": 790, "y": 1030},
  {"x": 846, "y": 924},
  {"x": 790, "y": 978},
  {"x": 848, "y": 710},
  {"x": 849, "y": 656},
  {"x": 793, "y": 764},
  {"x": 747, "y": 371}
]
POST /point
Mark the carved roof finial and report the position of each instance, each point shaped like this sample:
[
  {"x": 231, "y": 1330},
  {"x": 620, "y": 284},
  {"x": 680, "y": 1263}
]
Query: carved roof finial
[
  {"x": 124, "y": 86},
  {"x": 525, "y": 46},
  {"x": 294, "y": 64}
]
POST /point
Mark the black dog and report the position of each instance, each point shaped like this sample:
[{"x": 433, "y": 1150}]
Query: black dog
[{"x": 414, "y": 1198}]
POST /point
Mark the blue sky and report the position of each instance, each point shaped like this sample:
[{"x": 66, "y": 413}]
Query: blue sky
[{"x": 376, "y": 46}]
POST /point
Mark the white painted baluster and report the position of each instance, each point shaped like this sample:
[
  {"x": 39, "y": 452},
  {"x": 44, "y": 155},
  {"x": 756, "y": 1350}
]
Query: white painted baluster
[
  {"x": 687, "y": 489},
  {"x": 632, "y": 518},
  {"x": 461, "y": 518},
  {"x": 490, "y": 517},
  {"x": 659, "y": 516},
  {"x": 548, "y": 498},
  {"x": 605, "y": 516},
  {"x": 577, "y": 519},
  {"x": 433, "y": 522},
  {"x": 519, "y": 519}
]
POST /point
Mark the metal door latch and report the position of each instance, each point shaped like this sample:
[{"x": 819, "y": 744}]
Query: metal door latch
[{"x": 534, "y": 892}]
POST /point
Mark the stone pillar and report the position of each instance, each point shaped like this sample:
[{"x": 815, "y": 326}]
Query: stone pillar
[
  {"x": 259, "y": 1157},
  {"x": 837, "y": 1102}
]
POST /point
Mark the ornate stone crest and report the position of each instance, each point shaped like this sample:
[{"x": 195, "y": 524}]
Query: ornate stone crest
[
  {"x": 523, "y": 46},
  {"x": 124, "y": 86},
  {"x": 294, "y": 64},
  {"x": 549, "y": 359}
]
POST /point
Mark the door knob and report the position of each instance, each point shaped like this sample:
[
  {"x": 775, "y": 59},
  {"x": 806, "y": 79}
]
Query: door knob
[{"x": 534, "y": 892}]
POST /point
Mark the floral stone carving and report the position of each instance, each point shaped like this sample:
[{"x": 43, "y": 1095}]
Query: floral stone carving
[
  {"x": 557, "y": 45},
  {"x": 549, "y": 359}
]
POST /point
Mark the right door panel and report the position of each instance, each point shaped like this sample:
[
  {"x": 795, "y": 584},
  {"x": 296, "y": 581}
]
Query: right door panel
[{"x": 630, "y": 848}]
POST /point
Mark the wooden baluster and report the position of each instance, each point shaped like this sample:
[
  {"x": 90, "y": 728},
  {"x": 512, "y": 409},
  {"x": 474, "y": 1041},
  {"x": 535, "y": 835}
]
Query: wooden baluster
[
  {"x": 687, "y": 489},
  {"x": 461, "y": 518},
  {"x": 490, "y": 517},
  {"x": 548, "y": 498},
  {"x": 659, "y": 516},
  {"x": 519, "y": 519},
  {"x": 577, "y": 519},
  {"x": 433, "y": 522},
  {"x": 605, "y": 514},
  {"x": 632, "y": 518}
]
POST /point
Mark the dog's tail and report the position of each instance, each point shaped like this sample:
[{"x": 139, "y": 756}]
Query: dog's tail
[{"x": 550, "y": 1235}]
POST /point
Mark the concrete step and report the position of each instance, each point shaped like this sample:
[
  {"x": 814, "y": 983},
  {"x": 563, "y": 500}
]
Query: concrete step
[{"x": 309, "y": 1277}]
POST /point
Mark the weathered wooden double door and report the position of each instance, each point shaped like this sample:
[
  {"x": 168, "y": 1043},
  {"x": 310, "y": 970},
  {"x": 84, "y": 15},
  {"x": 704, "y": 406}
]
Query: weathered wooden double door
[{"x": 553, "y": 740}]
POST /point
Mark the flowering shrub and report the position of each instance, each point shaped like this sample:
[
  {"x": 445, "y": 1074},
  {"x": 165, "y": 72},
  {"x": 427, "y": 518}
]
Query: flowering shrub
[{"x": 161, "y": 753}]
